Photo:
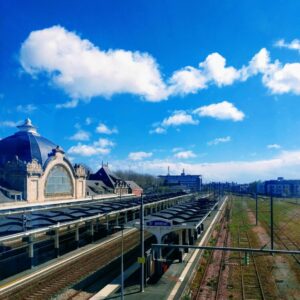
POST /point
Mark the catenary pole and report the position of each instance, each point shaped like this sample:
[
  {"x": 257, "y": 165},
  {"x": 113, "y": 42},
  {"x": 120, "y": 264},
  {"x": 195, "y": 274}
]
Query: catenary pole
[
  {"x": 122, "y": 265},
  {"x": 142, "y": 243},
  {"x": 256, "y": 210},
  {"x": 271, "y": 222}
]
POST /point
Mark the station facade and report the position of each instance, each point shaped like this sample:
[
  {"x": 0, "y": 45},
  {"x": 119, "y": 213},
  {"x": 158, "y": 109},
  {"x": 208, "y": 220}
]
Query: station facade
[{"x": 34, "y": 169}]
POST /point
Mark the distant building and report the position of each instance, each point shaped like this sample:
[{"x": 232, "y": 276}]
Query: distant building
[
  {"x": 108, "y": 181},
  {"x": 97, "y": 187},
  {"x": 187, "y": 182},
  {"x": 282, "y": 187},
  {"x": 34, "y": 169},
  {"x": 260, "y": 187},
  {"x": 134, "y": 188}
]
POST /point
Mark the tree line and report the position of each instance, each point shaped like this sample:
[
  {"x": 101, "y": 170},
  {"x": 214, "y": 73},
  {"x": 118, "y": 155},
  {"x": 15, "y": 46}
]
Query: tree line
[{"x": 145, "y": 181}]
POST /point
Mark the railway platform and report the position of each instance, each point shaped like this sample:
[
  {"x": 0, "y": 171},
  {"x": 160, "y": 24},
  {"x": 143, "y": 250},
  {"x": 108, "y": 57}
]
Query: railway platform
[
  {"x": 173, "y": 282},
  {"x": 64, "y": 262}
]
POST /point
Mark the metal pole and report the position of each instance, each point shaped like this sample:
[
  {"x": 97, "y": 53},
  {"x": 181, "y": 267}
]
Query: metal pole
[
  {"x": 142, "y": 242},
  {"x": 256, "y": 210},
  {"x": 122, "y": 268},
  {"x": 24, "y": 222},
  {"x": 272, "y": 221}
]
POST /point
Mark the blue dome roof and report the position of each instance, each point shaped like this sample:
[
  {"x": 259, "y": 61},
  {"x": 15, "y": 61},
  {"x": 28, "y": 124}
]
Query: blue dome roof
[{"x": 26, "y": 144}]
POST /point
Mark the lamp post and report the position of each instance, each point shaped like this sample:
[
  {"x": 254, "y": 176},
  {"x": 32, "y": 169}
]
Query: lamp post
[
  {"x": 24, "y": 220},
  {"x": 122, "y": 265},
  {"x": 122, "y": 259}
]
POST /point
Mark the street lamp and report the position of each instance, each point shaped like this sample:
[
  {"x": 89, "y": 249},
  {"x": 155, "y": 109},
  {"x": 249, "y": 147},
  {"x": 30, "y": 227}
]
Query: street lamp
[
  {"x": 120, "y": 190},
  {"x": 122, "y": 227},
  {"x": 24, "y": 222}
]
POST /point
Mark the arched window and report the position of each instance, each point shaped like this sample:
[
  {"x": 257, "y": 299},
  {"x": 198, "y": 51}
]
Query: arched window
[{"x": 58, "y": 182}]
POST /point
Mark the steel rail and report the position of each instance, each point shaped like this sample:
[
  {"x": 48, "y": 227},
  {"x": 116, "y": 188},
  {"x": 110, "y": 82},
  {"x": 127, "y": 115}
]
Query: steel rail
[
  {"x": 281, "y": 240},
  {"x": 256, "y": 271},
  {"x": 69, "y": 271},
  {"x": 209, "y": 261},
  {"x": 243, "y": 270},
  {"x": 222, "y": 262}
]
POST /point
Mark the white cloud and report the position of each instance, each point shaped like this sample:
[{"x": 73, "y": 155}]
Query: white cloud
[
  {"x": 273, "y": 146},
  {"x": 222, "y": 111},
  {"x": 26, "y": 109},
  {"x": 80, "y": 135},
  {"x": 103, "y": 143},
  {"x": 258, "y": 64},
  {"x": 83, "y": 70},
  {"x": 10, "y": 123},
  {"x": 100, "y": 147},
  {"x": 214, "y": 69},
  {"x": 158, "y": 130},
  {"x": 285, "y": 164},
  {"x": 69, "y": 104},
  {"x": 277, "y": 77},
  {"x": 88, "y": 121},
  {"x": 177, "y": 149},
  {"x": 87, "y": 150},
  {"x": 136, "y": 156},
  {"x": 187, "y": 81},
  {"x": 217, "y": 141},
  {"x": 104, "y": 129},
  {"x": 293, "y": 45},
  {"x": 185, "y": 154},
  {"x": 281, "y": 79},
  {"x": 178, "y": 118}
]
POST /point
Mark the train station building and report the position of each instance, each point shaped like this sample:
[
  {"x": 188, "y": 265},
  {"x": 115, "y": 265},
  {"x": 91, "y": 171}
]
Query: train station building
[{"x": 34, "y": 169}]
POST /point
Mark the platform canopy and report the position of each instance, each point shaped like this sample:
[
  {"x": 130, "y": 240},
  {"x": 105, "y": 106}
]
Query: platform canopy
[{"x": 188, "y": 215}]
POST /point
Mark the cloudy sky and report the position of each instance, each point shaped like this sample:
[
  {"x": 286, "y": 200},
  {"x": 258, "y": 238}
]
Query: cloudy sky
[{"x": 209, "y": 86}]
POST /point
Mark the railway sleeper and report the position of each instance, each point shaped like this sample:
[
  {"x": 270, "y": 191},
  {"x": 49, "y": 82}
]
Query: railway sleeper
[{"x": 251, "y": 286}]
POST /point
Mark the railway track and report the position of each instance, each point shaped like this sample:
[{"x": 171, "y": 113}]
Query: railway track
[
  {"x": 209, "y": 287},
  {"x": 251, "y": 283},
  {"x": 289, "y": 244},
  {"x": 282, "y": 238},
  {"x": 251, "y": 286},
  {"x": 222, "y": 265},
  {"x": 52, "y": 283}
]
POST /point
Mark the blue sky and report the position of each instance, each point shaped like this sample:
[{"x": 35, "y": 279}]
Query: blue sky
[{"x": 210, "y": 87}]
